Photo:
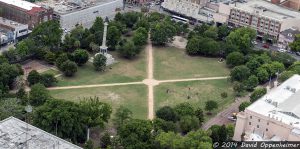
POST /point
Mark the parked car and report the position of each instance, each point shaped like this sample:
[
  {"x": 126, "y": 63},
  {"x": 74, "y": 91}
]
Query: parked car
[
  {"x": 282, "y": 50},
  {"x": 254, "y": 42},
  {"x": 298, "y": 53},
  {"x": 266, "y": 46}
]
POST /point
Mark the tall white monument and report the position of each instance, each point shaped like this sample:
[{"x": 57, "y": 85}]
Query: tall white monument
[{"x": 103, "y": 48}]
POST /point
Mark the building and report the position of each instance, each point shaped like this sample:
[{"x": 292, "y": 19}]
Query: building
[
  {"x": 286, "y": 37},
  {"x": 265, "y": 17},
  {"x": 293, "y": 4},
  {"x": 273, "y": 117},
  {"x": 25, "y": 12},
  {"x": 6, "y": 36},
  {"x": 18, "y": 30},
  {"x": 188, "y": 8},
  {"x": 137, "y": 2},
  {"x": 76, "y": 12},
  {"x": 15, "y": 133}
]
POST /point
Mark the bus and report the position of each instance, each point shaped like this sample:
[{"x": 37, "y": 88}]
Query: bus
[{"x": 179, "y": 19}]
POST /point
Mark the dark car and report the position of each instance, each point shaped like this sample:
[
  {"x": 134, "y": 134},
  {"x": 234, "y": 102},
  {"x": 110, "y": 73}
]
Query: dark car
[
  {"x": 266, "y": 46},
  {"x": 298, "y": 53}
]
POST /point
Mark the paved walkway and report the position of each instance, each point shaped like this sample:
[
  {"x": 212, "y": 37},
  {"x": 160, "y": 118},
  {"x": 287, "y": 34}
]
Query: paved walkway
[{"x": 149, "y": 81}]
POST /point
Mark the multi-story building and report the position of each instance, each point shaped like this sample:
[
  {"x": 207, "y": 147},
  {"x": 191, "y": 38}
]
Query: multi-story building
[
  {"x": 189, "y": 8},
  {"x": 73, "y": 12},
  {"x": 286, "y": 37},
  {"x": 18, "y": 134},
  {"x": 24, "y": 12},
  {"x": 137, "y": 2},
  {"x": 18, "y": 30},
  {"x": 293, "y": 4},
  {"x": 264, "y": 17},
  {"x": 273, "y": 117}
]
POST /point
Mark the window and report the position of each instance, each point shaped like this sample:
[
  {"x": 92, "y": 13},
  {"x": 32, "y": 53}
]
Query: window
[
  {"x": 257, "y": 126},
  {"x": 267, "y": 129},
  {"x": 250, "y": 117},
  {"x": 249, "y": 123},
  {"x": 258, "y": 120},
  {"x": 267, "y": 123}
]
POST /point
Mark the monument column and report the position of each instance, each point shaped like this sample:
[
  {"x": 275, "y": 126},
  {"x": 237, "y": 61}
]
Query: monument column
[{"x": 103, "y": 47}]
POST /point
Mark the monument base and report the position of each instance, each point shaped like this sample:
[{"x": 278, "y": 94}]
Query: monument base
[{"x": 109, "y": 59}]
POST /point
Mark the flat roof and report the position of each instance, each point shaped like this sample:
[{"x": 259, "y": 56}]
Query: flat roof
[
  {"x": 63, "y": 7},
  {"x": 267, "y": 9},
  {"x": 20, "y": 3},
  {"x": 14, "y": 133},
  {"x": 10, "y": 23},
  {"x": 281, "y": 103}
]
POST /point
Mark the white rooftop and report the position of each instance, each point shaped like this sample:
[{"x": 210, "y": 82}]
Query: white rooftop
[
  {"x": 281, "y": 103},
  {"x": 14, "y": 134},
  {"x": 20, "y": 3},
  {"x": 269, "y": 9}
]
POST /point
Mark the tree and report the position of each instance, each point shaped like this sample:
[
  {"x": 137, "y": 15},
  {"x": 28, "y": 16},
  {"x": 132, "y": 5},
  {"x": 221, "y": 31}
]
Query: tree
[
  {"x": 33, "y": 77},
  {"x": 8, "y": 74},
  {"x": 284, "y": 58},
  {"x": 200, "y": 115},
  {"x": 251, "y": 83},
  {"x": 130, "y": 18},
  {"x": 105, "y": 140},
  {"x": 166, "y": 113},
  {"x": 162, "y": 33},
  {"x": 211, "y": 105},
  {"x": 203, "y": 46},
  {"x": 212, "y": 33},
  {"x": 193, "y": 46},
  {"x": 80, "y": 57},
  {"x": 22, "y": 95},
  {"x": 295, "y": 46},
  {"x": 97, "y": 26},
  {"x": 11, "y": 107},
  {"x": 99, "y": 62},
  {"x": 96, "y": 113},
  {"x": 142, "y": 22},
  {"x": 286, "y": 75},
  {"x": 63, "y": 118},
  {"x": 113, "y": 37},
  {"x": 129, "y": 50},
  {"x": 89, "y": 144},
  {"x": 258, "y": 93},
  {"x": 69, "y": 68},
  {"x": 47, "y": 34},
  {"x": 253, "y": 64},
  {"x": 238, "y": 88},
  {"x": 122, "y": 115},
  {"x": 244, "y": 105},
  {"x": 195, "y": 139},
  {"x": 162, "y": 125},
  {"x": 188, "y": 123},
  {"x": 223, "y": 31},
  {"x": 136, "y": 134},
  {"x": 140, "y": 37},
  {"x": 235, "y": 59},
  {"x": 223, "y": 136},
  {"x": 240, "y": 73},
  {"x": 50, "y": 57},
  {"x": 262, "y": 74},
  {"x": 60, "y": 60},
  {"x": 242, "y": 38},
  {"x": 48, "y": 79},
  {"x": 184, "y": 109},
  {"x": 38, "y": 95}
]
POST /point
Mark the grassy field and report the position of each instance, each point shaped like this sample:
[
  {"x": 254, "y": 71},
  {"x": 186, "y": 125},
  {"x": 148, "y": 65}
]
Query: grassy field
[
  {"x": 198, "y": 91},
  {"x": 123, "y": 71},
  {"x": 133, "y": 97},
  {"x": 173, "y": 63},
  {"x": 51, "y": 71}
]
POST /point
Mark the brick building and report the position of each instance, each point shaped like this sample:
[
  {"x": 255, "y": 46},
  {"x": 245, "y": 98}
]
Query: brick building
[
  {"x": 264, "y": 17},
  {"x": 24, "y": 12}
]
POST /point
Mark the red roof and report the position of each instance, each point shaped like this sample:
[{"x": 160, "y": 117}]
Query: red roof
[{"x": 35, "y": 10}]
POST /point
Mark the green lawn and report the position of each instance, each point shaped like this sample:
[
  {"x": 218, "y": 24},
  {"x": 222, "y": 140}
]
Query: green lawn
[
  {"x": 173, "y": 63},
  {"x": 133, "y": 97},
  {"x": 198, "y": 91},
  {"x": 51, "y": 71},
  {"x": 123, "y": 71}
]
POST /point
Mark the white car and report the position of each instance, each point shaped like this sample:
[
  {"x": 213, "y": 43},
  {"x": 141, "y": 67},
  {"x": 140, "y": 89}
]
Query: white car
[
  {"x": 282, "y": 50},
  {"x": 254, "y": 42}
]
